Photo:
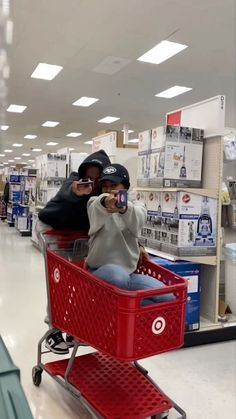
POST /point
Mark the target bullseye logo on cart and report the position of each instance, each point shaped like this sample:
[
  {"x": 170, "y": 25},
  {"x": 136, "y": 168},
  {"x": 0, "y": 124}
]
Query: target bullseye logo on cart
[
  {"x": 158, "y": 325},
  {"x": 56, "y": 275}
]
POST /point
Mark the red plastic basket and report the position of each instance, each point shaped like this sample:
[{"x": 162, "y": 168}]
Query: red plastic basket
[{"x": 113, "y": 320}]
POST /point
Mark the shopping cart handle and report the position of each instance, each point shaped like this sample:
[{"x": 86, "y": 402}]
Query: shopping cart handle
[{"x": 66, "y": 233}]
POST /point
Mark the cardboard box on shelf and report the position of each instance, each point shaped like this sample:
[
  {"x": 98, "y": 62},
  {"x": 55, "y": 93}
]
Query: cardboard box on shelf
[
  {"x": 186, "y": 226},
  {"x": 144, "y": 148},
  {"x": 183, "y": 157},
  {"x": 157, "y": 157},
  {"x": 191, "y": 272},
  {"x": 172, "y": 158}
]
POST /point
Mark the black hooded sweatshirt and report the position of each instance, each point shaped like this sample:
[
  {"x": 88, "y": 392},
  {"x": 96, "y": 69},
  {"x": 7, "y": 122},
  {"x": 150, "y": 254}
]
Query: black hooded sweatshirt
[{"x": 66, "y": 211}]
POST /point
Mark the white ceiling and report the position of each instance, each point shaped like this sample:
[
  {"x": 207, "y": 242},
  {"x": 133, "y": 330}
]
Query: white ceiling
[{"x": 80, "y": 34}]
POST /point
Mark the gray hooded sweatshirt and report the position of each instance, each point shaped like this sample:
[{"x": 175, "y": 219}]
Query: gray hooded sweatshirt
[{"x": 114, "y": 237}]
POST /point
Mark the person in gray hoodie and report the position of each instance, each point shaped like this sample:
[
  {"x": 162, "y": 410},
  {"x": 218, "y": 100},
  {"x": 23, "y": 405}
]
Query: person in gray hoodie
[
  {"x": 113, "y": 245},
  {"x": 68, "y": 211}
]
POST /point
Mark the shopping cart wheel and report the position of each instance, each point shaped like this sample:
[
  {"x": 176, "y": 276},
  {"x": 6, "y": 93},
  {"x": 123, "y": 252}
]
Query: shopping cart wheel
[
  {"x": 37, "y": 375},
  {"x": 161, "y": 416}
]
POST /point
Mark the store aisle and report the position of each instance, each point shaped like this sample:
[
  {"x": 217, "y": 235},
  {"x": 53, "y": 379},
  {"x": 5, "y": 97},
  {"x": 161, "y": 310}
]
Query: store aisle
[{"x": 201, "y": 379}]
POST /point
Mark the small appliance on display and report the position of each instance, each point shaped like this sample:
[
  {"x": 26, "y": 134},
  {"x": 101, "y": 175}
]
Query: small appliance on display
[{"x": 204, "y": 235}]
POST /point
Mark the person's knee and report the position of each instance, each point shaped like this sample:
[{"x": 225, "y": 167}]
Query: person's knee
[{"x": 113, "y": 274}]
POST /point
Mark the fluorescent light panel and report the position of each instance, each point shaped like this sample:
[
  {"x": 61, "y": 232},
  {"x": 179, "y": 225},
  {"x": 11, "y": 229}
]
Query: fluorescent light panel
[
  {"x": 2, "y": 155},
  {"x": 108, "y": 119},
  {"x": 130, "y": 131},
  {"x": 31, "y": 161},
  {"x": 74, "y": 134},
  {"x": 36, "y": 149},
  {"x": 4, "y": 127},
  {"x": 173, "y": 91},
  {"x": 30, "y": 136},
  {"x": 50, "y": 124},
  {"x": 16, "y": 108},
  {"x": 26, "y": 154},
  {"x": 85, "y": 101},
  {"x": 162, "y": 52},
  {"x": 71, "y": 149},
  {"x": 7, "y": 151},
  {"x": 46, "y": 71},
  {"x": 10, "y": 161},
  {"x": 134, "y": 140},
  {"x": 17, "y": 145},
  {"x": 88, "y": 142},
  {"x": 51, "y": 143},
  {"x": 17, "y": 158}
]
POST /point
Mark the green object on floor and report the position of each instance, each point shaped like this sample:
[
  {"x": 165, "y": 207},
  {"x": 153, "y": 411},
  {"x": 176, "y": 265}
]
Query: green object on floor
[{"x": 13, "y": 404}]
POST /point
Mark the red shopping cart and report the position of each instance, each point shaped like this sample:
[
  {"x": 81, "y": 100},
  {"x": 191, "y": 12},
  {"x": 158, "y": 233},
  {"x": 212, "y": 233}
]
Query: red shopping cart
[{"x": 109, "y": 381}]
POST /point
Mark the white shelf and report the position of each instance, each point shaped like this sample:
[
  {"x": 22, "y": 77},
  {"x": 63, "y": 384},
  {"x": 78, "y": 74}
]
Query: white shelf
[
  {"x": 212, "y": 193},
  {"x": 205, "y": 260},
  {"x": 207, "y": 325}
]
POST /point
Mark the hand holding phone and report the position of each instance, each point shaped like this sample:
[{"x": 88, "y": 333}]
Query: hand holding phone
[{"x": 82, "y": 187}]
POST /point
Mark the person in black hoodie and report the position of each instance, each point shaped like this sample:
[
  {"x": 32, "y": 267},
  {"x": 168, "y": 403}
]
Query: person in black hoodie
[{"x": 68, "y": 211}]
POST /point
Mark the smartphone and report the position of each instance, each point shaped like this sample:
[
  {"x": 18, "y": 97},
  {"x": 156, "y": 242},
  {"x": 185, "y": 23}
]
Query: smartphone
[
  {"x": 122, "y": 198},
  {"x": 86, "y": 182}
]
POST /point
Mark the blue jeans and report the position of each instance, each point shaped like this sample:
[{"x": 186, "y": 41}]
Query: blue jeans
[{"x": 118, "y": 276}]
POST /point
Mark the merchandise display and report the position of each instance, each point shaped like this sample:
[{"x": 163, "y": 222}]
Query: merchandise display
[
  {"x": 180, "y": 223},
  {"x": 191, "y": 272},
  {"x": 170, "y": 157}
]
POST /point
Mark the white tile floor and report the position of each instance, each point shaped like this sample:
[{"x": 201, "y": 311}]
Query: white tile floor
[{"x": 200, "y": 379}]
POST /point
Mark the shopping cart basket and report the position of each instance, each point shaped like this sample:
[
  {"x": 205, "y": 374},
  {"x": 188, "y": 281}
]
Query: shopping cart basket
[{"x": 114, "y": 322}]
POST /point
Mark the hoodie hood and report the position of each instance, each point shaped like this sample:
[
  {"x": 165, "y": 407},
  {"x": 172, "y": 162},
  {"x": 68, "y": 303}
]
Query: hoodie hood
[{"x": 99, "y": 158}]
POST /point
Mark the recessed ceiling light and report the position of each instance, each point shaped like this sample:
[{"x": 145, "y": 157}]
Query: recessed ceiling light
[
  {"x": 51, "y": 143},
  {"x": 30, "y": 136},
  {"x": 88, "y": 142},
  {"x": 10, "y": 161},
  {"x": 31, "y": 161},
  {"x": 17, "y": 158},
  {"x": 50, "y": 124},
  {"x": 74, "y": 134},
  {"x": 162, "y": 52},
  {"x": 71, "y": 149},
  {"x": 16, "y": 108},
  {"x": 108, "y": 119},
  {"x": 4, "y": 127},
  {"x": 7, "y": 151},
  {"x": 26, "y": 154},
  {"x": 134, "y": 140},
  {"x": 17, "y": 145},
  {"x": 2, "y": 155},
  {"x": 130, "y": 131},
  {"x": 36, "y": 149},
  {"x": 46, "y": 71},
  {"x": 5, "y": 162},
  {"x": 85, "y": 101},
  {"x": 173, "y": 91}
]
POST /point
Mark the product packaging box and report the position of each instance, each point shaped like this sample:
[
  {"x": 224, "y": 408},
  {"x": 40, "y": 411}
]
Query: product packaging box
[
  {"x": 154, "y": 211},
  {"x": 157, "y": 157},
  {"x": 189, "y": 222},
  {"x": 170, "y": 157},
  {"x": 191, "y": 272},
  {"x": 144, "y": 155},
  {"x": 183, "y": 157}
]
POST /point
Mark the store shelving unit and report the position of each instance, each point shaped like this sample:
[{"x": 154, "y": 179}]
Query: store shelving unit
[{"x": 211, "y": 329}]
